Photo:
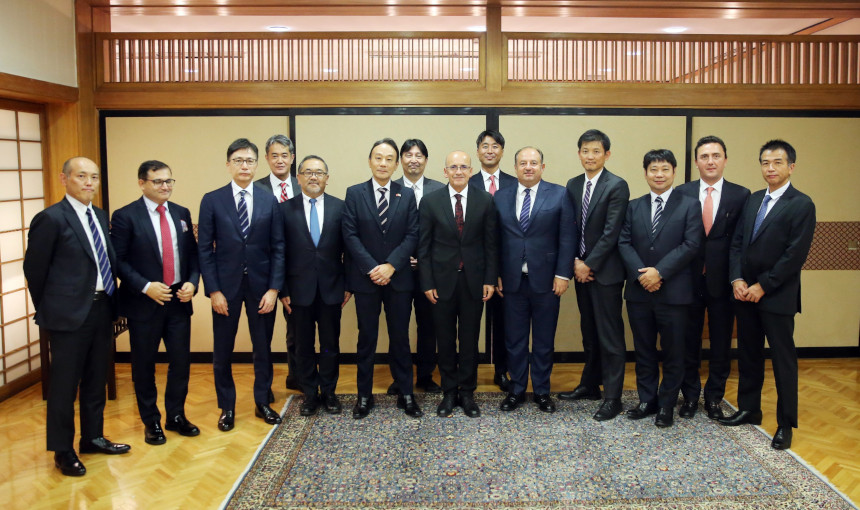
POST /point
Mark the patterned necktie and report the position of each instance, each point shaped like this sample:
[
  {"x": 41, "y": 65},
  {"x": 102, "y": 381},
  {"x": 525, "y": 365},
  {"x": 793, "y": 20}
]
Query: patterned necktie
[
  {"x": 585, "y": 200},
  {"x": 244, "y": 222},
  {"x": 283, "y": 197},
  {"x": 315, "y": 223},
  {"x": 657, "y": 214},
  {"x": 708, "y": 211},
  {"x": 104, "y": 263},
  {"x": 383, "y": 210},
  {"x": 168, "y": 271},
  {"x": 762, "y": 212},
  {"x": 493, "y": 188},
  {"x": 460, "y": 220},
  {"x": 524, "y": 213}
]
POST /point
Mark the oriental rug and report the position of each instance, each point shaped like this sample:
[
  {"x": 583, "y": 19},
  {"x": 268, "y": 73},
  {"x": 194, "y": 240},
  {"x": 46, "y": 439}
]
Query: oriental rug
[{"x": 524, "y": 459}]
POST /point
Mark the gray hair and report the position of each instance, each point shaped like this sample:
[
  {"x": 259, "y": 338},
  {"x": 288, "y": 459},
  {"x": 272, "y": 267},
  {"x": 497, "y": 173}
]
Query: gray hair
[{"x": 283, "y": 140}]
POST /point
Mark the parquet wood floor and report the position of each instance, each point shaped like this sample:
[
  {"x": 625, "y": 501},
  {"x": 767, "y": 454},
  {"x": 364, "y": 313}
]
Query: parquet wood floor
[{"x": 191, "y": 473}]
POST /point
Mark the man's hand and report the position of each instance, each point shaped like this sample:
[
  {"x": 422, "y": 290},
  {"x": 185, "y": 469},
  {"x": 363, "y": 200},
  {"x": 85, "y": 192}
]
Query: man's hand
[
  {"x": 267, "y": 304},
  {"x": 740, "y": 289},
  {"x": 488, "y": 292},
  {"x": 755, "y": 293},
  {"x": 186, "y": 292},
  {"x": 432, "y": 295},
  {"x": 346, "y": 296},
  {"x": 582, "y": 272},
  {"x": 650, "y": 279},
  {"x": 381, "y": 274},
  {"x": 559, "y": 286},
  {"x": 159, "y": 292},
  {"x": 286, "y": 302},
  {"x": 499, "y": 288},
  {"x": 219, "y": 302}
]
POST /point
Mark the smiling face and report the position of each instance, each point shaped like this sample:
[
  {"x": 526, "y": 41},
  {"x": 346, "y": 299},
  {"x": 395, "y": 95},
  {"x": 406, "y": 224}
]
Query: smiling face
[
  {"x": 529, "y": 166},
  {"x": 242, "y": 166},
  {"x": 458, "y": 169},
  {"x": 383, "y": 162},
  {"x": 660, "y": 176},
  {"x": 157, "y": 192},
  {"x": 313, "y": 177},
  {"x": 593, "y": 157},
  {"x": 279, "y": 159},
  {"x": 490, "y": 154},
  {"x": 711, "y": 161},
  {"x": 414, "y": 163},
  {"x": 82, "y": 181},
  {"x": 775, "y": 168}
]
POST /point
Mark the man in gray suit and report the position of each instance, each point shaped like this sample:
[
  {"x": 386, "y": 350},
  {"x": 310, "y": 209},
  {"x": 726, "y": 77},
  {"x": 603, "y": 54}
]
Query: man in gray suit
[{"x": 413, "y": 159}]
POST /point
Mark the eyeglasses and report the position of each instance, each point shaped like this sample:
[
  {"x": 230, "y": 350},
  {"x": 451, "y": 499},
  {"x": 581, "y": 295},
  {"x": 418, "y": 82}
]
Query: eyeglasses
[
  {"x": 314, "y": 173},
  {"x": 454, "y": 168},
  {"x": 240, "y": 161},
  {"x": 159, "y": 182}
]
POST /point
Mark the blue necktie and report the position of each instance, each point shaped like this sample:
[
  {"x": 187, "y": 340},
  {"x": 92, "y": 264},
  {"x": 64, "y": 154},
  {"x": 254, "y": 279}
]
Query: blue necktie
[
  {"x": 585, "y": 200},
  {"x": 315, "y": 223},
  {"x": 104, "y": 263},
  {"x": 524, "y": 213},
  {"x": 762, "y": 212},
  {"x": 243, "y": 214},
  {"x": 657, "y": 214}
]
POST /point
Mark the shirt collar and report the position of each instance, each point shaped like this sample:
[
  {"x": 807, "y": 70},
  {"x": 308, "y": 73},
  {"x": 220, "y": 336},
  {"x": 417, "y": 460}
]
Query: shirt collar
[
  {"x": 276, "y": 183},
  {"x": 152, "y": 206},
  {"x": 664, "y": 196},
  {"x": 718, "y": 186},
  {"x": 521, "y": 188},
  {"x": 779, "y": 192},
  {"x": 237, "y": 188},
  {"x": 452, "y": 191},
  {"x": 307, "y": 199},
  {"x": 377, "y": 186},
  {"x": 593, "y": 180},
  {"x": 410, "y": 184},
  {"x": 78, "y": 206},
  {"x": 486, "y": 176}
]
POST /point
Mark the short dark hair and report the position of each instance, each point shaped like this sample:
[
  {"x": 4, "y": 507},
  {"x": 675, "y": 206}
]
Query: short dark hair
[
  {"x": 283, "y": 140},
  {"x": 242, "y": 143},
  {"x": 594, "y": 135},
  {"x": 414, "y": 142},
  {"x": 310, "y": 157},
  {"x": 492, "y": 133},
  {"x": 779, "y": 144},
  {"x": 710, "y": 139},
  {"x": 386, "y": 141},
  {"x": 540, "y": 152},
  {"x": 152, "y": 164},
  {"x": 656, "y": 155}
]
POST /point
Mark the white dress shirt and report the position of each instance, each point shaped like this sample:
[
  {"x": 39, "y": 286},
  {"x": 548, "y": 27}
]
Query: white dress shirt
[
  {"x": 593, "y": 182},
  {"x": 276, "y": 186},
  {"x": 81, "y": 211},
  {"x": 249, "y": 199},
  {"x": 377, "y": 196},
  {"x": 774, "y": 196},
  {"x": 664, "y": 196},
  {"x": 463, "y": 197},
  {"x": 521, "y": 196},
  {"x": 417, "y": 188},
  {"x": 155, "y": 217},
  {"x": 486, "y": 179}
]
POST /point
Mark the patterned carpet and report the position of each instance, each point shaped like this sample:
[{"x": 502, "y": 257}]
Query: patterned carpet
[{"x": 521, "y": 460}]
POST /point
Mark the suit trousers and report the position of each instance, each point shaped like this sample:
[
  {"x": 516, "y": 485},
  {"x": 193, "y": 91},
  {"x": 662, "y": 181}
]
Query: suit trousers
[
  {"x": 261, "y": 327},
  {"x": 496, "y": 333},
  {"x": 368, "y": 306},
  {"x": 307, "y": 319},
  {"x": 425, "y": 348},
  {"x": 79, "y": 359},
  {"x": 172, "y": 323},
  {"x": 292, "y": 370},
  {"x": 721, "y": 316},
  {"x": 535, "y": 312},
  {"x": 602, "y": 336},
  {"x": 647, "y": 320},
  {"x": 754, "y": 324},
  {"x": 459, "y": 316}
]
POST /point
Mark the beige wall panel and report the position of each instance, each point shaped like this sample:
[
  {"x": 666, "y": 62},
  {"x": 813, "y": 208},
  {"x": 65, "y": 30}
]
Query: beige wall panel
[
  {"x": 831, "y": 309},
  {"x": 37, "y": 40}
]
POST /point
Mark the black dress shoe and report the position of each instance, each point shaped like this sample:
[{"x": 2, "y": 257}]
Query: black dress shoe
[
  {"x": 782, "y": 438},
  {"x": 428, "y": 385},
  {"x": 512, "y": 401},
  {"x": 409, "y": 405},
  {"x": 544, "y": 402},
  {"x": 581, "y": 393},
  {"x": 153, "y": 434},
  {"x": 180, "y": 423},
  {"x": 267, "y": 414},
  {"x": 610, "y": 408},
  {"x": 362, "y": 407},
  {"x": 225, "y": 421},
  {"x": 665, "y": 417},
  {"x": 641, "y": 411},
  {"x": 741, "y": 417},
  {"x": 688, "y": 408},
  {"x": 715, "y": 411},
  {"x": 393, "y": 389},
  {"x": 502, "y": 381},
  {"x": 69, "y": 464},
  {"x": 102, "y": 445},
  {"x": 292, "y": 383},
  {"x": 309, "y": 405},
  {"x": 470, "y": 408},
  {"x": 331, "y": 403},
  {"x": 446, "y": 407}
]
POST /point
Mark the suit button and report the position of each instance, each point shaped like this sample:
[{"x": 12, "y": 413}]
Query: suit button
[{"x": 651, "y": 248}]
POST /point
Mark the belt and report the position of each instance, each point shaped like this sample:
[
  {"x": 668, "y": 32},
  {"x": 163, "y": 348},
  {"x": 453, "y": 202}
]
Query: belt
[{"x": 99, "y": 295}]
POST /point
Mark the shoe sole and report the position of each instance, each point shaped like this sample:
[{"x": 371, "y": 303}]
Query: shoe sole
[{"x": 155, "y": 442}]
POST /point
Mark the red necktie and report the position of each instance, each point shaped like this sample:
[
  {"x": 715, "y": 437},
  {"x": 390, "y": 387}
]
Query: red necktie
[
  {"x": 166, "y": 248},
  {"x": 284, "y": 196},
  {"x": 708, "y": 211},
  {"x": 492, "y": 189}
]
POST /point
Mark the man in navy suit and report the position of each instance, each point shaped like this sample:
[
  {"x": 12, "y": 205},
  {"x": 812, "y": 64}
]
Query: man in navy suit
[
  {"x": 314, "y": 292},
  {"x": 537, "y": 242},
  {"x": 280, "y": 154},
  {"x": 413, "y": 159},
  {"x": 158, "y": 266},
  {"x": 247, "y": 267},
  {"x": 380, "y": 231},
  {"x": 491, "y": 148},
  {"x": 722, "y": 203},
  {"x": 770, "y": 246},
  {"x": 69, "y": 266},
  {"x": 660, "y": 238}
]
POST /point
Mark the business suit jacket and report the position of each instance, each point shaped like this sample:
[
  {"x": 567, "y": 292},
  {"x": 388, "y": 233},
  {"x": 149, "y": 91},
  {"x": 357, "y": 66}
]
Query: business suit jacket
[
  {"x": 549, "y": 243},
  {"x": 312, "y": 267},
  {"x": 266, "y": 183},
  {"x": 670, "y": 249},
  {"x": 775, "y": 256},
  {"x": 505, "y": 180},
  {"x": 606, "y": 210},
  {"x": 61, "y": 269},
  {"x": 714, "y": 251},
  {"x": 369, "y": 246},
  {"x": 262, "y": 253},
  {"x": 139, "y": 257}
]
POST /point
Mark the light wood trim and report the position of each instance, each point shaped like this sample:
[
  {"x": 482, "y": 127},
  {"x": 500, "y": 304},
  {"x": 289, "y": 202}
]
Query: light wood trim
[
  {"x": 495, "y": 62},
  {"x": 824, "y": 25},
  {"x": 29, "y": 89}
]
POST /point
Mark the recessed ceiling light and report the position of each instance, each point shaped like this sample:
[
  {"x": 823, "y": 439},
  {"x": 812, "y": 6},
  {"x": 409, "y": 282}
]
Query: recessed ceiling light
[
  {"x": 634, "y": 53},
  {"x": 675, "y": 30},
  {"x": 330, "y": 70},
  {"x": 477, "y": 28},
  {"x": 278, "y": 28}
]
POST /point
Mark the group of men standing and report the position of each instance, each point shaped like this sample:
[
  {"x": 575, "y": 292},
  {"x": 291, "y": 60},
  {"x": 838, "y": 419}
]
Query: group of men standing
[{"x": 510, "y": 244}]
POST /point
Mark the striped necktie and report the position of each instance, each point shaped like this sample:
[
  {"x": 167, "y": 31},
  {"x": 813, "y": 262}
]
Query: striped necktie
[
  {"x": 383, "y": 210},
  {"x": 243, "y": 214},
  {"x": 657, "y": 214},
  {"x": 585, "y": 200},
  {"x": 524, "y": 212},
  {"x": 104, "y": 263},
  {"x": 759, "y": 218},
  {"x": 283, "y": 197}
]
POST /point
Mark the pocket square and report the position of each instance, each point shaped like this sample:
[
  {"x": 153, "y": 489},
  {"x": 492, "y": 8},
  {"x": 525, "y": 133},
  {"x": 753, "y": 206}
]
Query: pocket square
[{"x": 184, "y": 225}]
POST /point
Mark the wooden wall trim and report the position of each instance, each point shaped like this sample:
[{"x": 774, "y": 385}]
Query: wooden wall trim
[{"x": 29, "y": 89}]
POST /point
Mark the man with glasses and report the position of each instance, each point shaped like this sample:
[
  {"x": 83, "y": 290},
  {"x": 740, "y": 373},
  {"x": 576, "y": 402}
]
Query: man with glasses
[
  {"x": 246, "y": 268},
  {"x": 155, "y": 295}
]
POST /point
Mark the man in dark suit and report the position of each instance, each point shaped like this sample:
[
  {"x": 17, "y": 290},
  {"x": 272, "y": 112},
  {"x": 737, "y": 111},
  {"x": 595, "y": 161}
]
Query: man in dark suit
[
  {"x": 246, "y": 268},
  {"x": 536, "y": 245},
  {"x": 314, "y": 292},
  {"x": 599, "y": 201},
  {"x": 380, "y": 231},
  {"x": 722, "y": 202},
  {"x": 413, "y": 159},
  {"x": 69, "y": 266},
  {"x": 661, "y": 235},
  {"x": 770, "y": 246},
  {"x": 458, "y": 264},
  {"x": 491, "y": 148},
  {"x": 157, "y": 255},
  {"x": 280, "y": 153}
]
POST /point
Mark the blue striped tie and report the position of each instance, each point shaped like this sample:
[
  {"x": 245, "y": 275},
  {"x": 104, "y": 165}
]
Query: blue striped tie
[
  {"x": 104, "y": 263},
  {"x": 585, "y": 200},
  {"x": 762, "y": 212},
  {"x": 243, "y": 214},
  {"x": 382, "y": 209},
  {"x": 657, "y": 214},
  {"x": 524, "y": 213}
]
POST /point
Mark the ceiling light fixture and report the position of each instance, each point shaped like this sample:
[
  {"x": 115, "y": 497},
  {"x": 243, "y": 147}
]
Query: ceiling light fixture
[
  {"x": 278, "y": 28},
  {"x": 675, "y": 30},
  {"x": 477, "y": 28}
]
